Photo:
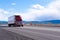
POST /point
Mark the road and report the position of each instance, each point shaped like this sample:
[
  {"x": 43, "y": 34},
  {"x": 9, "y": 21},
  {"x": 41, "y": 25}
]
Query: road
[
  {"x": 7, "y": 35},
  {"x": 37, "y": 33}
]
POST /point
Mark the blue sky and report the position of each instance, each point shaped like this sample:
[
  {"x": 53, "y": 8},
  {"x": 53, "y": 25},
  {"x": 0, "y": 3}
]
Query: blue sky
[
  {"x": 30, "y": 10},
  {"x": 21, "y": 5}
]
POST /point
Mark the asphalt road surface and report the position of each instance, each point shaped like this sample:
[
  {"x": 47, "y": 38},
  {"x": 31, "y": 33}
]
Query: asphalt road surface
[
  {"x": 7, "y": 35},
  {"x": 37, "y": 33}
]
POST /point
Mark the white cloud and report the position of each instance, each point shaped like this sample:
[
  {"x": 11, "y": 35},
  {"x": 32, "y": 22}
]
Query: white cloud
[
  {"x": 37, "y": 6},
  {"x": 38, "y": 12},
  {"x": 4, "y": 11},
  {"x": 3, "y": 14},
  {"x": 13, "y": 3}
]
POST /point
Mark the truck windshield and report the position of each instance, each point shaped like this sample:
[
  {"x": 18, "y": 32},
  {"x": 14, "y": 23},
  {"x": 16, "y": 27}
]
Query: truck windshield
[{"x": 18, "y": 18}]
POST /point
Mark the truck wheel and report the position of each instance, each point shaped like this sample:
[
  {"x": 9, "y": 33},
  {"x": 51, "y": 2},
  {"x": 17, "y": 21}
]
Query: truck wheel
[
  {"x": 9, "y": 25},
  {"x": 22, "y": 25},
  {"x": 12, "y": 26}
]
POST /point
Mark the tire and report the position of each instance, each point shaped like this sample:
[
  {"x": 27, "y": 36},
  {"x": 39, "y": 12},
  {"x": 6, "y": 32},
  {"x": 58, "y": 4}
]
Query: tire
[
  {"x": 22, "y": 25},
  {"x": 9, "y": 25},
  {"x": 12, "y": 25}
]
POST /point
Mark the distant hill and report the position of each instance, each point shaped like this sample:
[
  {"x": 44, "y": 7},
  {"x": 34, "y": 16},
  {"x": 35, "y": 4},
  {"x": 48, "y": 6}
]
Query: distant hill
[
  {"x": 36, "y": 22},
  {"x": 3, "y": 22},
  {"x": 51, "y": 21},
  {"x": 44, "y": 22}
]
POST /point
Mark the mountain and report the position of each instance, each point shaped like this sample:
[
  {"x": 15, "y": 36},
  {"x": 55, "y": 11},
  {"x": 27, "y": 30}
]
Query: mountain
[
  {"x": 44, "y": 22},
  {"x": 36, "y": 22},
  {"x": 3, "y": 22},
  {"x": 52, "y": 21}
]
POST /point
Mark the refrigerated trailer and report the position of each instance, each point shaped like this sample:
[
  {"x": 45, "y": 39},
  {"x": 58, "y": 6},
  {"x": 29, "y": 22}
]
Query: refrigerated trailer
[{"x": 15, "y": 21}]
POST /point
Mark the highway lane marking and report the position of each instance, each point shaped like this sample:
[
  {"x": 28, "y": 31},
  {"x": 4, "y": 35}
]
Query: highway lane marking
[
  {"x": 41, "y": 33},
  {"x": 41, "y": 28},
  {"x": 37, "y": 33}
]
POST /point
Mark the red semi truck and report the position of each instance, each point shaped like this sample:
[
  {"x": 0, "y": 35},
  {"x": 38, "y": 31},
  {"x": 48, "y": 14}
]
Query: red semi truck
[{"x": 15, "y": 21}]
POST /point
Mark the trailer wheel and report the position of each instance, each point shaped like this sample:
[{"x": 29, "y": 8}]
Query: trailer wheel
[
  {"x": 12, "y": 25},
  {"x": 9, "y": 25},
  {"x": 22, "y": 25}
]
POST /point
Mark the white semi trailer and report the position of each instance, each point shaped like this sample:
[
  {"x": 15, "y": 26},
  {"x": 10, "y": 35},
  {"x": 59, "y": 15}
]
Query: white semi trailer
[{"x": 15, "y": 21}]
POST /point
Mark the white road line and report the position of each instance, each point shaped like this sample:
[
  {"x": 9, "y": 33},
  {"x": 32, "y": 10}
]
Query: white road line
[
  {"x": 37, "y": 33},
  {"x": 41, "y": 28}
]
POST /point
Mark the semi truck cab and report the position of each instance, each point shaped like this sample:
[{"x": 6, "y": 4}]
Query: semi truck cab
[{"x": 15, "y": 21}]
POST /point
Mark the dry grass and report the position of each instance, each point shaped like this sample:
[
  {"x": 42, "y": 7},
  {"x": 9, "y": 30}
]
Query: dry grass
[{"x": 51, "y": 25}]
